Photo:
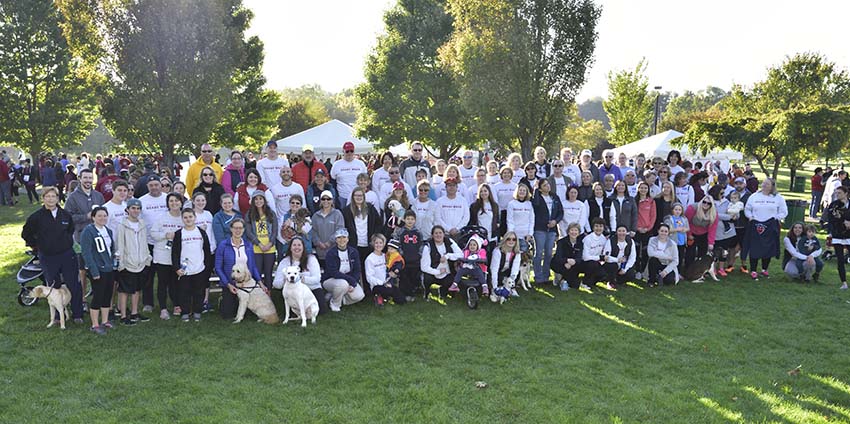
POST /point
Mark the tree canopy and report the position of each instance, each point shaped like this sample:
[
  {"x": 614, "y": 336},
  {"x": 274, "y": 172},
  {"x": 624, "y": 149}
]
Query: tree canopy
[
  {"x": 629, "y": 105},
  {"x": 46, "y": 92}
]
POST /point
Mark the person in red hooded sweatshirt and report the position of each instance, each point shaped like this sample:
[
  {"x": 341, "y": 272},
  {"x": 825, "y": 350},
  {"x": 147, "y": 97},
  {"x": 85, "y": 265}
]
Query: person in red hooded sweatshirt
[{"x": 304, "y": 171}]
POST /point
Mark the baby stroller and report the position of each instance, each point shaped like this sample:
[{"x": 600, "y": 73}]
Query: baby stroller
[
  {"x": 469, "y": 285},
  {"x": 31, "y": 270}
]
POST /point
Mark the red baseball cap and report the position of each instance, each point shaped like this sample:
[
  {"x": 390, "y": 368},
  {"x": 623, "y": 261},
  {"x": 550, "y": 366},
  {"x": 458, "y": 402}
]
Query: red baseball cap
[
  {"x": 398, "y": 185},
  {"x": 451, "y": 181},
  {"x": 348, "y": 146}
]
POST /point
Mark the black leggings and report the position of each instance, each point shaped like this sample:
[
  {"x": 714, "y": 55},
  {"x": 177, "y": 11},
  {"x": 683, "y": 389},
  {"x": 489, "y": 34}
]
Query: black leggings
[
  {"x": 696, "y": 250},
  {"x": 612, "y": 273},
  {"x": 568, "y": 275},
  {"x": 166, "y": 286},
  {"x": 655, "y": 268},
  {"x": 641, "y": 242},
  {"x": 444, "y": 283},
  {"x": 839, "y": 256},
  {"x": 101, "y": 291},
  {"x": 394, "y": 292},
  {"x": 593, "y": 273},
  {"x": 409, "y": 279},
  {"x": 765, "y": 262},
  {"x": 192, "y": 288},
  {"x": 265, "y": 264}
]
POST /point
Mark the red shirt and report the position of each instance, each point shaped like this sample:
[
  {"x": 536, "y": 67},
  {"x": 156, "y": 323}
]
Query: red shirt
[
  {"x": 817, "y": 182},
  {"x": 104, "y": 186}
]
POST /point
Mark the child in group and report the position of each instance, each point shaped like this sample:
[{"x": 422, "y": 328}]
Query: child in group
[
  {"x": 376, "y": 270},
  {"x": 473, "y": 263},
  {"x": 679, "y": 228},
  {"x": 809, "y": 245},
  {"x": 134, "y": 260},
  {"x": 411, "y": 245},
  {"x": 593, "y": 255},
  {"x": 395, "y": 265}
]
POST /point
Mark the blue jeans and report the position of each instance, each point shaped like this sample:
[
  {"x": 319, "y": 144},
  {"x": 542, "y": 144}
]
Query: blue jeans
[
  {"x": 544, "y": 241},
  {"x": 814, "y": 208},
  {"x": 807, "y": 271}
]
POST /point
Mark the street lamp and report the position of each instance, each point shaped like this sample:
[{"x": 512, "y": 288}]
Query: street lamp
[{"x": 657, "y": 98}]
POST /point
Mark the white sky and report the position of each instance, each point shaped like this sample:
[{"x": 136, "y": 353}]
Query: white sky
[{"x": 688, "y": 44}]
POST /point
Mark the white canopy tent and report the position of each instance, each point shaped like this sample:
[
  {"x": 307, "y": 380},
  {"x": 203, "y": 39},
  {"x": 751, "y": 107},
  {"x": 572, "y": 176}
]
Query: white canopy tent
[
  {"x": 659, "y": 145},
  {"x": 327, "y": 140}
]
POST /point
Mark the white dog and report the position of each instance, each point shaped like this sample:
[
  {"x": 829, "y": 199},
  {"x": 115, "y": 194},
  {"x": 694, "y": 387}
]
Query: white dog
[
  {"x": 251, "y": 296},
  {"x": 298, "y": 298},
  {"x": 57, "y": 300},
  {"x": 501, "y": 294}
]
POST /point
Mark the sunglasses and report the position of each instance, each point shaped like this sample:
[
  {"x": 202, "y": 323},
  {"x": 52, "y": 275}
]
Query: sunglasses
[
  {"x": 208, "y": 175},
  {"x": 393, "y": 172},
  {"x": 511, "y": 239},
  {"x": 349, "y": 151},
  {"x": 558, "y": 166},
  {"x": 417, "y": 150},
  {"x": 424, "y": 190},
  {"x": 325, "y": 198},
  {"x": 237, "y": 228},
  {"x": 467, "y": 157},
  {"x": 206, "y": 151},
  {"x": 657, "y": 163},
  {"x": 609, "y": 157}
]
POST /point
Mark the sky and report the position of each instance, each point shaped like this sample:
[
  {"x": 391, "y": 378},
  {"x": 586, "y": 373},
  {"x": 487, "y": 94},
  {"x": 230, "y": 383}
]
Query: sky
[{"x": 688, "y": 45}]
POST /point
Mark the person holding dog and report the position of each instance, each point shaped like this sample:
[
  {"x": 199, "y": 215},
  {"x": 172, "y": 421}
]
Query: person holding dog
[
  {"x": 308, "y": 265},
  {"x": 49, "y": 232},
  {"x": 230, "y": 252},
  {"x": 98, "y": 252},
  {"x": 342, "y": 273},
  {"x": 504, "y": 264}
]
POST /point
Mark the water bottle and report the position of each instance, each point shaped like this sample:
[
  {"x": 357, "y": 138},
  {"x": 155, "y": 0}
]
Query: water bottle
[
  {"x": 115, "y": 263},
  {"x": 168, "y": 244},
  {"x": 184, "y": 264}
]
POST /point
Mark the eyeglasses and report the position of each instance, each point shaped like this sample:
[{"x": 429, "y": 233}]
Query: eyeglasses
[
  {"x": 657, "y": 163},
  {"x": 662, "y": 172},
  {"x": 467, "y": 157},
  {"x": 206, "y": 151}
]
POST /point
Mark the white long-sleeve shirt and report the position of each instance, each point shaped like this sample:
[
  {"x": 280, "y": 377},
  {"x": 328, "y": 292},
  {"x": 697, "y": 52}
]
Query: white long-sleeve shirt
[
  {"x": 497, "y": 264},
  {"x": 593, "y": 246},
  {"x": 761, "y": 207},
  {"x": 667, "y": 253},
  {"x": 153, "y": 209},
  {"x": 630, "y": 261},
  {"x": 504, "y": 194},
  {"x": 521, "y": 218},
  {"x": 426, "y": 216},
  {"x": 166, "y": 224},
  {"x": 792, "y": 250},
  {"x": 577, "y": 212},
  {"x": 685, "y": 195},
  {"x": 376, "y": 269},
  {"x": 442, "y": 269},
  {"x": 312, "y": 277},
  {"x": 452, "y": 213},
  {"x": 277, "y": 197}
]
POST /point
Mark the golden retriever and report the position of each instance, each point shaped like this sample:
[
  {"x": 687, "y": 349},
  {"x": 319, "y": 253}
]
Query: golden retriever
[
  {"x": 251, "y": 296},
  {"x": 57, "y": 300}
]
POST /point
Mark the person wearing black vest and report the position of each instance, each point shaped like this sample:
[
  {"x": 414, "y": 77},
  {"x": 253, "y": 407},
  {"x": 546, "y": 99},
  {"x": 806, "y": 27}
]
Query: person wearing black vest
[
  {"x": 437, "y": 256},
  {"x": 599, "y": 206},
  {"x": 567, "y": 258},
  {"x": 620, "y": 257}
]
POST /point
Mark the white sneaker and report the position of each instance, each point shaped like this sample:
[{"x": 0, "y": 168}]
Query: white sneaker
[
  {"x": 334, "y": 308},
  {"x": 638, "y": 276},
  {"x": 514, "y": 293},
  {"x": 584, "y": 287},
  {"x": 494, "y": 298},
  {"x": 147, "y": 308}
]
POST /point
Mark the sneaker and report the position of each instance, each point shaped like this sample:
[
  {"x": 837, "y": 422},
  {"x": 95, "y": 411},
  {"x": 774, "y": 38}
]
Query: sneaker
[
  {"x": 100, "y": 331},
  {"x": 638, "y": 276},
  {"x": 139, "y": 318},
  {"x": 611, "y": 286},
  {"x": 178, "y": 311},
  {"x": 722, "y": 272},
  {"x": 379, "y": 301},
  {"x": 454, "y": 288},
  {"x": 843, "y": 287},
  {"x": 334, "y": 308},
  {"x": 147, "y": 309},
  {"x": 127, "y": 321},
  {"x": 197, "y": 317},
  {"x": 565, "y": 286},
  {"x": 163, "y": 315},
  {"x": 184, "y": 318},
  {"x": 85, "y": 307},
  {"x": 485, "y": 290},
  {"x": 764, "y": 273},
  {"x": 409, "y": 299},
  {"x": 107, "y": 324},
  {"x": 206, "y": 308},
  {"x": 584, "y": 287},
  {"x": 494, "y": 298},
  {"x": 558, "y": 279},
  {"x": 754, "y": 275}
]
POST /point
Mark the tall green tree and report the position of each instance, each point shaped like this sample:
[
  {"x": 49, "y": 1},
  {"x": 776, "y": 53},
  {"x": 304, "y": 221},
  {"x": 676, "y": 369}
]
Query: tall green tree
[
  {"x": 408, "y": 95},
  {"x": 520, "y": 64},
  {"x": 171, "y": 67},
  {"x": 253, "y": 114},
  {"x": 689, "y": 107},
  {"x": 580, "y": 134},
  {"x": 46, "y": 95},
  {"x": 798, "y": 113},
  {"x": 629, "y": 105}
]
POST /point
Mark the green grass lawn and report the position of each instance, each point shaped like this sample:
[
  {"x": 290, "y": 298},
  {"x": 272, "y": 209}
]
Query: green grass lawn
[{"x": 714, "y": 352}]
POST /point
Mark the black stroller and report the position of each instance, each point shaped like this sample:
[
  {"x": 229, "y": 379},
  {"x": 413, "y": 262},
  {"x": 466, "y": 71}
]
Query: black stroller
[
  {"x": 469, "y": 285},
  {"x": 29, "y": 271}
]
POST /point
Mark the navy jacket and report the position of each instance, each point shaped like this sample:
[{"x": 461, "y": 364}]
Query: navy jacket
[
  {"x": 225, "y": 258},
  {"x": 49, "y": 236},
  {"x": 96, "y": 254},
  {"x": 332, "y": 266},
  {"x": 541, "y": 212}
]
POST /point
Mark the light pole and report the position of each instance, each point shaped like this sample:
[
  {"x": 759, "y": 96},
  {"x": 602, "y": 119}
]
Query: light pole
[{"x": 657, "y": 98}]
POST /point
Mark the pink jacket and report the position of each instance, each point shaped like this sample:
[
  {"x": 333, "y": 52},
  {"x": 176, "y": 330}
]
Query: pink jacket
[
  {"x": 226, "y": 181},
  {"x": 482, "y": 256},
  {"x": 697, "y": 230}
]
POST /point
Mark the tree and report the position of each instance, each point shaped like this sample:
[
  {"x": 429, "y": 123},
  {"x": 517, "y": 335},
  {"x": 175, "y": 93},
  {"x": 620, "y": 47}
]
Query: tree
[
  {"x": 592, "y": 109},
  {"x": 340, "y": 106},
  {"x": 255, "y": 109},
  {"x": 629, "y": 105},
  {"x": 298, "y": 115},
  {"x": 580, "y": 134},
  {"x": 798, "y": 113},
  {"x": 171, "y": 65},
  {"x": 408, "y": 94},
  {"x": 45, "y": 94},
  {"x": 689, "y": 107},
  {"x": 520, "y": 63}
]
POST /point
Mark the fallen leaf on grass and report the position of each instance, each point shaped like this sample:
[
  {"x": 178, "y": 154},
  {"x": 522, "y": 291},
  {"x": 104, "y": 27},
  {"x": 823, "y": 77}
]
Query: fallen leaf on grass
[
  {"x": 481, "y": 384},
  {"x": 795, "y": 371}
]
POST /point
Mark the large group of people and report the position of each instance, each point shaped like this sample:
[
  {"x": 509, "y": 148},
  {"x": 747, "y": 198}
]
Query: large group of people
[{"x": 387, "y": 229}]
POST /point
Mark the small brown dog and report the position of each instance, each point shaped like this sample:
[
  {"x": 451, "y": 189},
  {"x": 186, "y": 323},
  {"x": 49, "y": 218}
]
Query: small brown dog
[{"x": 57, "y": 300}]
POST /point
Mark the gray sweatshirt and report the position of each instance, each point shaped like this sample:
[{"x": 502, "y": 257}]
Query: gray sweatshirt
[
  {"x": 131, "y": 246},
  {"x": 324, "y": 228},
  {"x": 79, "y": 205},
  {"x": 668, "y": 255}
]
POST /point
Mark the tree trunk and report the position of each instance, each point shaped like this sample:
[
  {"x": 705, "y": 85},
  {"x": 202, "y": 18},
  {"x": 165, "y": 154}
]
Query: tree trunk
[
  {"x": 525, "y": 145},
  {"x": 776, "y": 163},
  {"x": 167, "y": 156},
  {"x": 792, "y": 185}
]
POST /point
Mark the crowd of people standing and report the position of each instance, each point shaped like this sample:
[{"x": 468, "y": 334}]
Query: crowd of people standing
[{"x": 388, "y": 228}]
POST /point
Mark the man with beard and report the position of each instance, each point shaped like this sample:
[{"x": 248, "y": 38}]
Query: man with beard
[{"x": 79, "y": 205}]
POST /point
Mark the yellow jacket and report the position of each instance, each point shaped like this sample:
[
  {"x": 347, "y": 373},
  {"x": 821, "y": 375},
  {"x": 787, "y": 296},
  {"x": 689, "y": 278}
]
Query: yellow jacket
[{"x": 193, "y": 175}]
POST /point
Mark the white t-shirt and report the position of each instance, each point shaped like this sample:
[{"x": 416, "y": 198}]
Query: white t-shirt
[
  {"x": 452, "y": 213},
  {"x": 270, "y": 169},
  {"x": 561, "y": 189},
  {"x": 376, "y": 269},
  {"x": 192, "y": 251},
  {"x": 344, "y": 265},
  {"x": 493, "y": 179},
  {"x": 521, "y": 218},
  {"x": 153, "y": 209},
  {"x": 468, "y": 175},
  {"x": 106, "y": 239},
  {"x": 361, "y": 225},
  {"x": 426, "y": 214},
  {"x": 204, "y": 221},
  {"x": 277, "y": 197},
  {"x": 345, "y": 173},
  {"x": 379, "y": 178},
  {"x": 117, "y": 213},
  {"x": 504, "y": 194},
  {"x": 574, "y": 172}
]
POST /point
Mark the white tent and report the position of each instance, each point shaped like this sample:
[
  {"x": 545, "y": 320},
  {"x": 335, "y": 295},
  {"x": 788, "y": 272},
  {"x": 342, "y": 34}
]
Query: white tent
[
  {"x": 659, "y": 145},
  {"x": 327, "y": 140}
]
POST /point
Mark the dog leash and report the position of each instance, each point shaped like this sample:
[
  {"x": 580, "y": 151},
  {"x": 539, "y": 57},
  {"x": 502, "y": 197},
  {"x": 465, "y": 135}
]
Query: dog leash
[{"x": 247, "y": 290}]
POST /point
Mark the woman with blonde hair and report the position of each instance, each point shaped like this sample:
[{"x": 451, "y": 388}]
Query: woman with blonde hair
[
  {"x": 702, "y": 220},
  {"x": 515, "y": 163},
  {"x": 504, "y": 263}
]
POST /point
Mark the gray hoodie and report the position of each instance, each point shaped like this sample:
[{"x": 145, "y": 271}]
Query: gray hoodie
[
  {"x": 324, "y": 228},
  {"x": 79, "y": 205},
  {"x": 131, "y": 247}
]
